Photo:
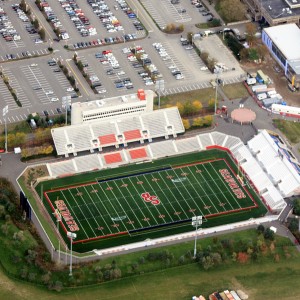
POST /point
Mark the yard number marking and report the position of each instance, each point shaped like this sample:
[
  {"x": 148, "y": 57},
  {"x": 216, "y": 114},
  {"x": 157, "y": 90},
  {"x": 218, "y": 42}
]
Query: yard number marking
[{"x": 148, "y": 198}]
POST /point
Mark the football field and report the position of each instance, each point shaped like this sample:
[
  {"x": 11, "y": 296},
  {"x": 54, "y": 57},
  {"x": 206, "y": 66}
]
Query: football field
[{"x": 150, "y": 200}]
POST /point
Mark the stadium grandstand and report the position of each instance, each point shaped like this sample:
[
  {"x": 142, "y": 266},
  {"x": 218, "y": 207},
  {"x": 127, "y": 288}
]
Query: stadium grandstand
[
  {"x": 271, "y": 175},
  {"x": 115, "y": 132}
]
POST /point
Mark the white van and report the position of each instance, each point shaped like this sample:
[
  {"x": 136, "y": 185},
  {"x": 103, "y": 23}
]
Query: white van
[
  {"x": 251, "y": 81},
  {"x": 262, "y": 96}
]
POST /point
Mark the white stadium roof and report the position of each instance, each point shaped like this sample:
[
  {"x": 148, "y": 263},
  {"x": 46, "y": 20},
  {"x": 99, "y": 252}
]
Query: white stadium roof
[
  {"x": 287, "y": 39},
  {"x": 278, "y": 168}
]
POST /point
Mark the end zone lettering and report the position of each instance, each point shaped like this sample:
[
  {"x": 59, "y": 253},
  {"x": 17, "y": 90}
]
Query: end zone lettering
[
  {"x": 232, "y": 184},
  {"x": 65, "y": 213}
]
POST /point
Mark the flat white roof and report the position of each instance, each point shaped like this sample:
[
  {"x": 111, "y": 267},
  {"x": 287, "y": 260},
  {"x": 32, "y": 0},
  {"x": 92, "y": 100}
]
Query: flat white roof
[
  {"x": 287, "y": 39},
  {"x": 114, "y": 101}
]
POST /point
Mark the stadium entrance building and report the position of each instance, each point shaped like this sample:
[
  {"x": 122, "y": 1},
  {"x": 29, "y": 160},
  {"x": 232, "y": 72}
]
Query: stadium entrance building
[{"x": 283, "y": 42}]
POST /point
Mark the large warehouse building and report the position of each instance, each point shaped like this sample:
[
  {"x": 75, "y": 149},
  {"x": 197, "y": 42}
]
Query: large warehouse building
[{"x": 283, "y": 42}]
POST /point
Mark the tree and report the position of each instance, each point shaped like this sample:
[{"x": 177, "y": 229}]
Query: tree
[
  {"x": 180, "y": 28},
  {"x": 189, "y": 36},
  {"x": 211, "y": 103},
  {"x": 186, "y": 124},
  {"x": 36, "y": 24},
  {"x": 253, "y": 54},
  {"x": 244, "y": 54},
  {"x": 250, "y": 33},
  {"x": 198, "y": 122},
  {"x": 269, "y": 234},
  {"x": 11, "y": 139},
  {"x": 262, "y": 51},
  {"x": 2, "y": 211},
  {"x": 296, "y": 210},
  {"x": 261, "y": 228},
  {"x": 294, "y": 225},
  {"x": 232, "y": 10},
  {"x": 207, "y": 120},
  {"x": 207, "y": 262},
  {"x": 42, "y": 33},
  {"x": 20, "y": 137},
  {"x": 180, "y": 107},
  {"x": 197, "y": 105}
]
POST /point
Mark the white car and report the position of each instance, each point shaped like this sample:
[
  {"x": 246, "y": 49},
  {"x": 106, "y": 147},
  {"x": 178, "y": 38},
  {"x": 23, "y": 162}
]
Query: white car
[
  {"x": 121, "y": 73},
  {"x": 101, "y": 91},
  {"x": 49, "y": 92},
  {"x": 189, "y": 48},
  {"x": 204, "y": 68},
  {"x": 179, "y": 77},
  {"x": 33, "y": 65},
  {"x": 70, "y": 89},
  {"x": 38, "y": 41},
  {"x": 54, "y": 99}
]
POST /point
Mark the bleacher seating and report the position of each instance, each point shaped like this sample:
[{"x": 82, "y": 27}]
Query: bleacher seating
[
  {"x": 87, "y": 163},
  {"x": 138, "y": 153},
  {"x": 187, "y": 145},
  {"x": 174, "y": 119},
  {"x": 155, "y": 124},
  {"x": 113, "y": 158},
  {"x": 128, "y": 124},
  {"x": 62, "y": 168},
  {"x": 206, "y": 140},
  {"x": 232, "y": 142},
  {"x": 80, "y": 137},
  {"x": 103, "y": 128},
  {"x": 60, "y": 140},
  {"x": 162, "y": 149},
  {"x": 132, "y": 135},
  {"x": 218, "y": 138},
  {"x": 107, "y": 139}
]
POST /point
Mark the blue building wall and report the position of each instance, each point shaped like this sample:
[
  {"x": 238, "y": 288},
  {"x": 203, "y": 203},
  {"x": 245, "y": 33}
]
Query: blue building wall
[{"x": 269, "y": 43}]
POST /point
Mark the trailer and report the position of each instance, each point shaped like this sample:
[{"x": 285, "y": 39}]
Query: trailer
[
  {"x": 258, "y": 86},
  {"x": 269, "y": 101},
  {"x": 285, "y": 110}
]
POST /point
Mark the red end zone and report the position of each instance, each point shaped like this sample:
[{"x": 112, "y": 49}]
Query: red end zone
[{"x": 69, "y": 220}]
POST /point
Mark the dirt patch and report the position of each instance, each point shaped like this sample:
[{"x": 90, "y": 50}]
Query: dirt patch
[
  {"x": 279, "y": 79},
  {"x": 236, "y": 285}
]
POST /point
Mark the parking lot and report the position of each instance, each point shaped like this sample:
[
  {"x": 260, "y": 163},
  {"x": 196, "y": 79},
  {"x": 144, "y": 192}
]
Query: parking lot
[
  {"x": 112, "y": 68},
  {"x": 15, "y": 35},
  {"x": 182, "y": 12}
]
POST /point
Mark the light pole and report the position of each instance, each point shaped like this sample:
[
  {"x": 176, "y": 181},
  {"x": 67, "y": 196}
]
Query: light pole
[
  {"x": 71, "y": 236},
  {"x": 66, "y": 102},
  {"x": 216, "y": 96},
  {"x": 4, "y": 113},
  {"x": 196, "y": 221},
  {"x": 58, "y": 219},
  {"x": 159, "y": 87}
]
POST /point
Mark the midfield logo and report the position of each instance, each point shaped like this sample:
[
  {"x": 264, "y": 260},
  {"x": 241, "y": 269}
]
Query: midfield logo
[{"x": 148, "y": 198}]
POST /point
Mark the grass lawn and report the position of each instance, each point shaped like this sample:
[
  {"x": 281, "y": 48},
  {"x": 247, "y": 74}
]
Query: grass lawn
[
  {"x": 203, "y": 95},
  {"x": 261, "y": 280},
  {"x": 234, "y": 91},
  {"x": 290, "y": 129}
]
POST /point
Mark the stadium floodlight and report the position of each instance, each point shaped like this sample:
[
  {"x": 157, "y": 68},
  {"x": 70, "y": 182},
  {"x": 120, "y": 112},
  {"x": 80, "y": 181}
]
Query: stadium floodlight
[
  {"x": 71, "y": 236},
  {"x": 196, "y": 221},
  {"x": 58, "y": 220}
]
